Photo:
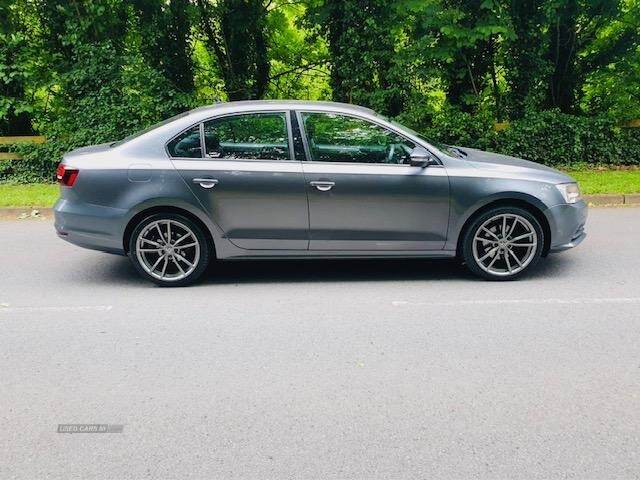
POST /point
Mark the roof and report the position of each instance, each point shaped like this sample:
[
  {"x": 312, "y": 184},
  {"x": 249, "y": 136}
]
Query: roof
[{"x": 246, "y": 105}]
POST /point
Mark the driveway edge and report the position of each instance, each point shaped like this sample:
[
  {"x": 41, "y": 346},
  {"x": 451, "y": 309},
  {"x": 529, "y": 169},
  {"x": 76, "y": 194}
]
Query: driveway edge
[
  {"x": 612, "y": 200},
  {"x": 23, "y": 213}
]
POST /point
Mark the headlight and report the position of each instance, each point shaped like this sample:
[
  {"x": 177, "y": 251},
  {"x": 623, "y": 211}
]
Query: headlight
[{"x": 570, "y": 192}]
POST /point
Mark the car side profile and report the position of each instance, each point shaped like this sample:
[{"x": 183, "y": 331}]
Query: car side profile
[{"x": 290, "y": 179}]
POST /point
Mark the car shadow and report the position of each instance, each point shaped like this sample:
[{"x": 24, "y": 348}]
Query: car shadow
[
  {"x": 360, "y": 270},
  {"x": 338, "y": 270}
]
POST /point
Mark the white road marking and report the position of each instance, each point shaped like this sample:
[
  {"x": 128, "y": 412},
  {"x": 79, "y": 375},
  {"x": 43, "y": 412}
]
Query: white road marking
[
  {"x": 518, "y": 301},
  {"x": 80, "y": 308}
]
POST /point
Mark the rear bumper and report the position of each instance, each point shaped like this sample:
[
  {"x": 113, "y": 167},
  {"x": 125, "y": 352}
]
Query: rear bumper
[
  {"x": 90, "y": 226},
  {"x": 567, "y": 224}
]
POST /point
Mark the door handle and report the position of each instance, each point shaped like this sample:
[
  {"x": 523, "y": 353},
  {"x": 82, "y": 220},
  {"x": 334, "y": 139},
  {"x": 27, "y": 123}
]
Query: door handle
[
  {"x": 322, "y": 186},
  {"x": 206, "y": 182}
]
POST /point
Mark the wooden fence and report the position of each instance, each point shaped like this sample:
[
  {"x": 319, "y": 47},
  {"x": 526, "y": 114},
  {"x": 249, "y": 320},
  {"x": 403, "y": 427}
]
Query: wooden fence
[{"x": 8, "y": 141}]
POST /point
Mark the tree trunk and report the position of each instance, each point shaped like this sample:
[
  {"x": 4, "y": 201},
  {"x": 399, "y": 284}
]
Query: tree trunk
[
  {"x": 494, "y": 81},
  {"x": 236, "y": 32},
  {"x": 562, "y": 53},
  {"x": 523, "y": 60}
]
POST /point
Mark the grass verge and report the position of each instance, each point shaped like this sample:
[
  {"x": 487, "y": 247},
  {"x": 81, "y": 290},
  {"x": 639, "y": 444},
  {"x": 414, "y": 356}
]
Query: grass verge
[
  {"x": 607, "y": 181},
  {"x": 591, "y": 182},
  {"x": 32, "y": 195}
]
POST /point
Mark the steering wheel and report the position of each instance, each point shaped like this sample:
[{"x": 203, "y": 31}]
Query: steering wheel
[{"x": 392, "y": 151}]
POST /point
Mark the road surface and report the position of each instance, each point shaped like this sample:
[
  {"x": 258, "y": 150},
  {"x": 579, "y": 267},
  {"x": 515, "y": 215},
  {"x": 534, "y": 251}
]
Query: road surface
[{"x": 321, "y": 369}]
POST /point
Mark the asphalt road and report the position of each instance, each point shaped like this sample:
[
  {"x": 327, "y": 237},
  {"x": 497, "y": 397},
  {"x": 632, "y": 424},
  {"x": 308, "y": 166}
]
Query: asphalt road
[{"x": 321, "y": 370}]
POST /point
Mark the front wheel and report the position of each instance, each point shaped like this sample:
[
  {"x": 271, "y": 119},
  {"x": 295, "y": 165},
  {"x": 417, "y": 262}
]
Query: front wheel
[
  {"x": 503, "y": 243},
  {"x": 169, "y": 249}
]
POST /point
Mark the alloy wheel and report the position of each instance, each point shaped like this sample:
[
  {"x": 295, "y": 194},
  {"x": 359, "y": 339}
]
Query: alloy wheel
[
  {"x": 505, "y": 244},
  {"x": 168, "y": 250}
]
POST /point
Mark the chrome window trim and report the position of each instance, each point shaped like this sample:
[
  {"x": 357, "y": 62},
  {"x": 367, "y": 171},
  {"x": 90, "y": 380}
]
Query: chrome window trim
[{"x": 365, "y": 163}]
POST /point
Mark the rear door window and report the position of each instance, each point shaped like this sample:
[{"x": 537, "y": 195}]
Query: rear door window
[{"x": 252, "y": 136}]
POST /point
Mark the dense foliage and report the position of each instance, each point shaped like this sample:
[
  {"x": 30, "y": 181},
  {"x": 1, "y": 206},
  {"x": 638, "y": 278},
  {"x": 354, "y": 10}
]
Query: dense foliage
[
  {"x": 550, "y": 137},
  {"x": 564, "y": 73}
]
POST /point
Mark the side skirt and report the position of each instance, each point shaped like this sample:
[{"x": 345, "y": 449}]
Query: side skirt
[{"x": 310, "y": 254}]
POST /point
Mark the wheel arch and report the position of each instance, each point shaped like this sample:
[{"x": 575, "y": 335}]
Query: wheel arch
[
  {"x": 146, "y": 212},
  {"x": 529, "y": 206}
]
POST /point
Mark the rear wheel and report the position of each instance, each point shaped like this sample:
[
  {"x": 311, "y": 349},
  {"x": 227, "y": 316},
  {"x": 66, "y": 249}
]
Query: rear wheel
[
  {"x": 503, "y": 243},
  {"x": 169, "y": 249}
]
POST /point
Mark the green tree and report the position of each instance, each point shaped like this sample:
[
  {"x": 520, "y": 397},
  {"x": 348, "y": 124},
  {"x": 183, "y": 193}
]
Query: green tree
[
  {"x": 563, "y": 46},
  {"x": 101, "y": 87},
  {"x": 612, "y": 64},
  {"x": 298, "y": 58},
  {"x": 67, "y": 25},
  {"x": 15, "y": 60},
  {"x": 361, "y": 37},
  {"x": 573, "y": 26},
  {"x": 235, "y": 31},
  {"x": 165, "y": 37},
  {"x": 526, "y": 68},
  {"x": 460, "y": 39}
]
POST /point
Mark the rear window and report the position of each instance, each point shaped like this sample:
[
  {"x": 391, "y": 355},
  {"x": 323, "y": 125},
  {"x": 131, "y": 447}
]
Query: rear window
[{"x": 187, "y": 144}]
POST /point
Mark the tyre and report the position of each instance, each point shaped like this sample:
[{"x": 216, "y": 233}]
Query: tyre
[
  {"x": 169, "y": 249},
  {"x": 503, "y": 243}
]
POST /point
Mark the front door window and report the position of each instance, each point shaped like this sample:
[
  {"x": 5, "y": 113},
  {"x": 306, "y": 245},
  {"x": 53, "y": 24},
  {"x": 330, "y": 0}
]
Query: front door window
[{"x": 342, "y": 138}]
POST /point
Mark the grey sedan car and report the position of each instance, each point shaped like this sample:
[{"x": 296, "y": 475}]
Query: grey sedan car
[{"x": 287, "y": 179}]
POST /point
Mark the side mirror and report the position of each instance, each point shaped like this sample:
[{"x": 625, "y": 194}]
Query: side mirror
[{"x": 421, "y": 157}]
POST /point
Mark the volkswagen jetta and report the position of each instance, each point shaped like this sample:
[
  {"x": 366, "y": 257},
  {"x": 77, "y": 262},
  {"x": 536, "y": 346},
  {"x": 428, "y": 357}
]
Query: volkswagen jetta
[{"x": 286, "y": 179}]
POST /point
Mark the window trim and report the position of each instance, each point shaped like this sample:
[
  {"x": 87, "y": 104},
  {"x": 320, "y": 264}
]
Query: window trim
[
  {"x": 203, "y": 146},
  {"x": 297, "y": 132},
  {"x": 201, "y": 123},
  {"x": 398, "y": 132},
  {"x": 303, "y": 134}
]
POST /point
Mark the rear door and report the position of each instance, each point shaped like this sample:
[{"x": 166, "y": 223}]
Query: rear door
[
  {"x": 242, "y": 170},
  {"x": 363, "y": 194}
]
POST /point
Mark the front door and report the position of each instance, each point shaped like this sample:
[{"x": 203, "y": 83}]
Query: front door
[
  {"x": 363, "y": 194},
  {"x": 247, "y": 179}
]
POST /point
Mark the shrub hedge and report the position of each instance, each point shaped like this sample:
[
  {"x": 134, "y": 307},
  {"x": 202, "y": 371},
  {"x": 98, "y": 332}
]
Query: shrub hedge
[{"x": 548, "y": 137}]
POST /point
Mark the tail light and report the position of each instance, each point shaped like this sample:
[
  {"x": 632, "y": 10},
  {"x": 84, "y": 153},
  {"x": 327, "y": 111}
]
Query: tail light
[{"x": 66, "y": 175}]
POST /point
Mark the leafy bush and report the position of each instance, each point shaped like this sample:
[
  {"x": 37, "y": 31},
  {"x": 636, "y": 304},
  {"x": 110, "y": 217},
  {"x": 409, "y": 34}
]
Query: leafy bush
[
  {"x": 547, "y": 137},
  {"x": 554, "y": 138},
  {"x": 104, "y": 99},
  {"x": 453, "y": 127}
]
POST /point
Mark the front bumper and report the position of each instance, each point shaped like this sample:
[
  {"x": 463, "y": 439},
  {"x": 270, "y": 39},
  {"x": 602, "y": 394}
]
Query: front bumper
[
  {"x": 567, "y": 224},
  {"x": 90, "y": 226},
  {"x": 573, "y": 243}
]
